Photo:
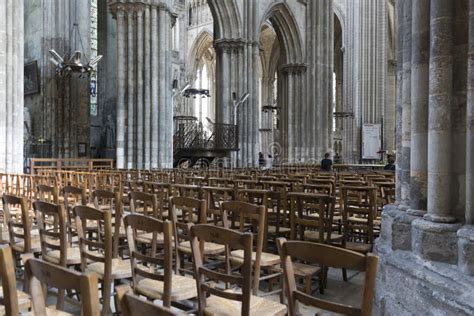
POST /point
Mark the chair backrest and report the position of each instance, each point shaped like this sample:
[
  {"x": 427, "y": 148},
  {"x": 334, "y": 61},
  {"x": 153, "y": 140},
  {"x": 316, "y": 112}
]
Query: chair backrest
[
  {"x": 47, "y": 193},
  {"x": 246, "y": 217},
  {"x": 145, "y": 204},
  {"x": 112, "y": 202},
  {"x": 7, "y": 274},
  {"x": 364, "y": 206},
  {"x": 187, "y": 190},
  {"x": 133, "y": 305},
  {"x": 309, "y": 210},
  {"x": 73, "y": 196},
  {"x": 40, "y": 273},
  {"x": 151, "y": 260},
  {"x": 19, "y": 229},
  {"x": 327, "y": 256},
  {"x": 163, "y": 192},
  {"x": 52, "y": 224},
  {"x": 96, "y": 234},
  {"x": 206, "y": 278}
]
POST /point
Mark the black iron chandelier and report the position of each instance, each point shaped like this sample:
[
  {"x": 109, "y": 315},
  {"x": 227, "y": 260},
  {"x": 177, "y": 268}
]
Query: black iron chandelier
[
  {"x": 193, "y": 92},
  {"x": 72, "y": 63}
]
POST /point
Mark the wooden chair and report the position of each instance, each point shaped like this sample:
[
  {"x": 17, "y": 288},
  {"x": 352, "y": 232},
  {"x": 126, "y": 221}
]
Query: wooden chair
[
  {"x": 187, "y": 190},
  {"x": 24, "y": 239},
  {"x": 163, "y": 192},
  {"x": 246, "y": 217},
  {"x": 145, "y": 204},
  {"x": 111, "y": 201},
  {"x": 47, "y": 193},
  {"x": 358, "y": 218},
  {"x": 73, "y": 196},
  {"x": 96, "y": 246},
  {"x": 12, "y": 301},
  {"x": 328, "y": 256},
  {"x": 214, "y": 197},
  {"x": 185, "y": 211},
  {"x": 277, "y": 208},
  {"x": 52, "y": 225},
  {"x": 132, "y": 305},
  {"x": 226, "y": 301},
  {"x": 40, "y": 273},
  {"x": 152, "y": 272}
]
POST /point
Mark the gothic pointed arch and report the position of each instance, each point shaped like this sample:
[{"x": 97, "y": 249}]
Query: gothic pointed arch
[
  {"x": 287, "y": 31},
  {"x": 227, "y": 19},
  {"x": 202, "y": 47}
]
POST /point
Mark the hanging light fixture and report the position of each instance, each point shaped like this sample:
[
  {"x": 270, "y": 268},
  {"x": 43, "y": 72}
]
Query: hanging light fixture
[{"x": 72, "y": 63}]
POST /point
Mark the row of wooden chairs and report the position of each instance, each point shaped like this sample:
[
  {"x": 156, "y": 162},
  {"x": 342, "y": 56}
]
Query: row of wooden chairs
[{"x": 208, "y": 281}]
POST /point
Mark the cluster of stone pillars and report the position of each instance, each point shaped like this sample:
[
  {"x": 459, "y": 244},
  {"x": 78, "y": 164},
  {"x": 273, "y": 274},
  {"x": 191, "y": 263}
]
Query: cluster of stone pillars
[
  {"x": 144, "y": 91},
  {"x": 434, "y": 172},
  {"x": 11, "y": 83},
  {"x": 365, "y": 49}
]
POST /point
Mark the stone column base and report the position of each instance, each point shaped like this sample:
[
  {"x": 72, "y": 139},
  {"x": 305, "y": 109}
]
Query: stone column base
[
  {"x": 466, "y": 249},
  {"x": 435, "y": 241},
  {"x": 396, "y": 227}
]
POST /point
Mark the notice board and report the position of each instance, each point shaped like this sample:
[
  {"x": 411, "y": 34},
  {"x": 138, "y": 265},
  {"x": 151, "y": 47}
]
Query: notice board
[{"x": 371, "y": 141}]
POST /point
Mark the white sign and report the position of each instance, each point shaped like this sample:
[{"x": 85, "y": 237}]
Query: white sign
[{"x": 371, "y": 141}]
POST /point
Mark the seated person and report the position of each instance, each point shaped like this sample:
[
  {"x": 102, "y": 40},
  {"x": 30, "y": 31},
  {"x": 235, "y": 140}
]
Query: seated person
[
  {"x": 326, "y": 163},
  {"x": 391, "y": 164}
]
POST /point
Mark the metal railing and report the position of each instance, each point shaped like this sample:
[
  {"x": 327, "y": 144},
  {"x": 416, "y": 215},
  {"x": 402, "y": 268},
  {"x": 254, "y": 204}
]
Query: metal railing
[{"x": 190, "y": 134}]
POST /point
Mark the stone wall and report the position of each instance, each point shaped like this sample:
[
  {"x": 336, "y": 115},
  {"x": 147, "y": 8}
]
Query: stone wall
[{"x": 426, "y": 247}]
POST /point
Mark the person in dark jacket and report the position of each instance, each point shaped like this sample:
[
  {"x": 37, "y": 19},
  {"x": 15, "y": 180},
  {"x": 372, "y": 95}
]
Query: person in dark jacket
[
  {"x": 326, "y": 163},
  {"x": 391, "y": 164}
]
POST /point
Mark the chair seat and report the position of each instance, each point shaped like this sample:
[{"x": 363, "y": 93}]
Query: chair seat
[
  {"x": 313, "y": 235},
  {"x": 281, "y": 230},
  {"x": 182, "y": 288},
  {"x": 210, "y": 248},
  {"x": 359, "y": 247},
  {"x": 24, "y": 302},
  {"x": 219, "y": 306},
  {"x": 73, "y": 256},
  {"x": 20, "y": 246},
  {"x": 121, "y": 269},
  {"x": 358, "y": 220},
  {"x": 51, "y": 312},
  {"x": 146, "y": 238},
  {"x": 302, "y": 270},
  {"x": 266, "y": 260}
]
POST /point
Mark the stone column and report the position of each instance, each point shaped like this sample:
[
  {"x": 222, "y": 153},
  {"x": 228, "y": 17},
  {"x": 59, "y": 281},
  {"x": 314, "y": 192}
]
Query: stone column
[
  {"x": 406, "y": 101},
  {"x": 319, "y": 58},
  {"x": 145, "y": 67},
  {"x": 399, "y": 104},
  {"x": 148, "y": 84},
  {"x": 440, "y": 153},
  {"x": 470, "y": 124},
  {"x": 419, "y": 104},
  {"x": 121, "y": 117},
  {"x": 131, "y": 145},
  {"x": 11, "y": 86},
  {"x": 140, "y": 148},
  {"x": 154, "y": 89},
  {"x": 366, "y": 50}
]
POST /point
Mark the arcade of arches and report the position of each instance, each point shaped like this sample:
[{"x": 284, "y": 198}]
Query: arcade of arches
[{"x": 313, "y": 76}]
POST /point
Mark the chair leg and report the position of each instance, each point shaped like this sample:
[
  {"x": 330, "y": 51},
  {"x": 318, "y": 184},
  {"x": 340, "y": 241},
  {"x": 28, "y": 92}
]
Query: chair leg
[
  {"x": 106, "y": 293},
  {"x": 344, "y": 275},
  {"x": 309, "y": 284}
]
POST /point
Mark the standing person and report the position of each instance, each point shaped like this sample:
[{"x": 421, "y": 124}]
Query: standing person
[
  {"x": 326, "y": 163},
  {"x": 261, "y": 160}
]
